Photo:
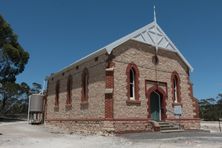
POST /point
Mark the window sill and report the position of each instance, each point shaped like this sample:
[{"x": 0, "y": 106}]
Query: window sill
[
  {"x": 133, "y": 102},
  {"x": 108, "y": 90},
  {"x": 84, "y": 103},
  {"x": 177, "y": 104},
  {"x": 68, "y": 107},
  {"x": 56, "y": 108}
]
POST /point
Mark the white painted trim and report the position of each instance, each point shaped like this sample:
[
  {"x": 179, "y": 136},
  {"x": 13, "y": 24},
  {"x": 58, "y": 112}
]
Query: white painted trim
[
  {"x": 108, "y": 90},
  {"x": 179, "y": 53}
]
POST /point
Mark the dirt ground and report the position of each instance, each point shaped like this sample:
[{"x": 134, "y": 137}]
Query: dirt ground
[
  {"x": 23, "y": 135},
  {"x": 213, "y": 126}
]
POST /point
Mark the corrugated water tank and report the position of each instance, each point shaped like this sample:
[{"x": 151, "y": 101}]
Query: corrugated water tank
[{"x": 36, "y": 103}]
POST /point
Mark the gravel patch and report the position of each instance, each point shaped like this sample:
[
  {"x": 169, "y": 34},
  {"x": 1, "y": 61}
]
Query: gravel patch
[{"x": 23, "y": 135}]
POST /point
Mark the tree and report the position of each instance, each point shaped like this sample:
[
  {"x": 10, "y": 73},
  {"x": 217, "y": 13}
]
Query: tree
[
  {"x": 17, "y": 97},
  {"x": 211, "y": 109},
  {"x": 36, "y": 88},
  {"x": 13, "y": 59},
  {"x": 219, "y": 97},
  {"x": 13, "y": 92}
]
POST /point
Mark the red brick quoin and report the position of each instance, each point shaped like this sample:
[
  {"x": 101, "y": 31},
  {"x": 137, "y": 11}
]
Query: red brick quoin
[
  {"x": 194, "y": 101},
  {"x": 109, "y": 96}
]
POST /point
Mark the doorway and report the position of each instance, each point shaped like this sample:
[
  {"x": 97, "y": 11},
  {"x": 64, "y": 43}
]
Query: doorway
[{"x": 155, "y": 105}]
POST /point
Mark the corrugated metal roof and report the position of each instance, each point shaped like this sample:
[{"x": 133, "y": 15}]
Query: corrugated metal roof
[{"x": 150, "y": 34}]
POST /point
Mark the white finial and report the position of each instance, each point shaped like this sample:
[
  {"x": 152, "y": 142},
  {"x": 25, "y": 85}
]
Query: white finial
[
  {"x": 155, "y": 41},
  {"x": 154, "y": 9}
]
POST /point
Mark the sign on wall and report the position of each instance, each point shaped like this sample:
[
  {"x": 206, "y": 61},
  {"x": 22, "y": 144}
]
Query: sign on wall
[{"x": 178, "y": 110}]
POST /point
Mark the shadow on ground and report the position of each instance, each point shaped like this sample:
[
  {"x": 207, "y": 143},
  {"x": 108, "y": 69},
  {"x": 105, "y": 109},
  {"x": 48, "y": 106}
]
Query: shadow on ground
[
  {"x": 10, "y": 119},
  {"x": 158, "y": 135}
]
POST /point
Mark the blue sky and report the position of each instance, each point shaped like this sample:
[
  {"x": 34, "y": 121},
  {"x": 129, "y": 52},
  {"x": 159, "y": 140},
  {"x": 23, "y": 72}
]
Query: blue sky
[{"x": 58, "y": 32}]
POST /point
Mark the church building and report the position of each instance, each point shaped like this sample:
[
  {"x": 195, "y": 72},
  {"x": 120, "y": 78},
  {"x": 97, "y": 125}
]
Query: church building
[{"x": 140, "y": 82}]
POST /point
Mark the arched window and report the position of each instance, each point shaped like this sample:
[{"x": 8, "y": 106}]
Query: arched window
[
  {"x": 69, "y": 90},
  {"x": 57, "y": 89},
  {"x": 132, "y": 84},
  {"x": 175, "y": 89},
  {"x": 85, "y": 82},
  {"x": 132, "y": 80},
  {"x": 175, "y": 80}
]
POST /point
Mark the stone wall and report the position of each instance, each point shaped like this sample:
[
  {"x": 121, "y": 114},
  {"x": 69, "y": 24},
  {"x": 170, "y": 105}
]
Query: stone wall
[
  {"x": 96, "y": 87},
  {"x": 112, "y": 112},
  {"x": 187, "y": 124},
  {"x": 132, "y": 126},
  {"x": 102, "y": 127},
  {"x": 141, "y": 55}
]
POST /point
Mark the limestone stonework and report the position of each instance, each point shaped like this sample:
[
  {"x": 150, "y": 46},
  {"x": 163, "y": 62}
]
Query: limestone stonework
[{"x": 108, "y": 107}]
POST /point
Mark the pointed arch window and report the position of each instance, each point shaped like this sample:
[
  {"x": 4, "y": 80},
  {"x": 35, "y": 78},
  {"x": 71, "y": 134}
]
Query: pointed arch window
[
  {"x": 69, "y": 90},
  {"x": 85, "y": 83},
  {"x": 175, "y": 80},
  {"x": 132, "y": 84},
  {"x": 132, "y": 73},
  {"x": 175, "y": 93},
  {"x": 57, "y": 89}
]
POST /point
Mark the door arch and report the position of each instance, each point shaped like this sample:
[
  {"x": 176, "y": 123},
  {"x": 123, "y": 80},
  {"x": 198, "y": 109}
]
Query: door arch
[{"x": 154, "y": 105}]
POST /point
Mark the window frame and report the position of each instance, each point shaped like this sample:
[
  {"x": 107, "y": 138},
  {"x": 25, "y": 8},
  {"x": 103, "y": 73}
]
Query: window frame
[
  {"x": 135, "y": 100},
  {"x": 57, "y": 92},
  {"x": 175, "y": 86},
  {"x": 132, "y": 84},
  {"x": 69, "y": 90},
  {"x": 85, "y": 85}
]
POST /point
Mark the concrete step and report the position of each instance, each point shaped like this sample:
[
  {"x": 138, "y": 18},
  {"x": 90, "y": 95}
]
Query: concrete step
[
  {"x": 168, "y": 128},
  {"x": 163, "y": 122},
  {"x": 172, "y": 131},
  {"x": 166, "y": 125}
]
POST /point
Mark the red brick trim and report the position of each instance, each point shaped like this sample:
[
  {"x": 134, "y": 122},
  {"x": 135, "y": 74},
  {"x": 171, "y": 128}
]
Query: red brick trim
[
  {"x": 108, "y": 106},
  {"x": 57, "y": 90},
  {"x": 174, "y": 76},
  {"x": 109, "y": 79},
  {"x": 109, "y": 85},
  {"x": 69, "y": 93},
  {"x": 133, "y": 102},
  {"x": 98, "y": 119},
  {"x": 164, "y": 84},
  {"x": 137, "y": 89},
  {"x": 176, "y": 104},
  {"x": 46, "y": 101},
  {"x": 195, "y": 104},
  {"x": 68, "y": 107},
  {"x": 130, "y": 119},
  {"x": 163, "y": 105},
  {"x": 118, "y": 119},
  {"x": 197, "y": 108},
  {"x": 84, "y": 95},
  {"x": 172, "y": 119}
]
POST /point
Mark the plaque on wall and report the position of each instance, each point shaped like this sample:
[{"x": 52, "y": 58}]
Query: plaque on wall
[{"x": 177, "y": 110}]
